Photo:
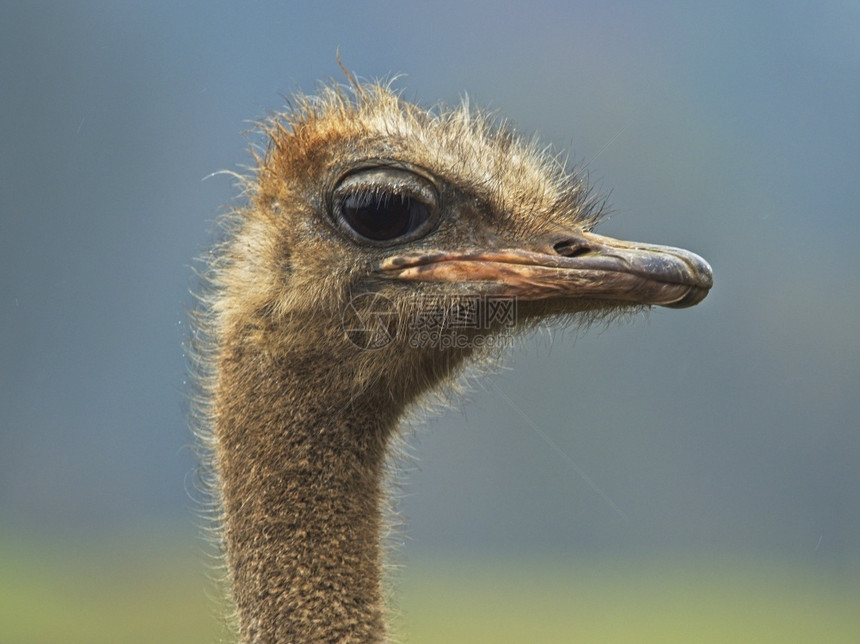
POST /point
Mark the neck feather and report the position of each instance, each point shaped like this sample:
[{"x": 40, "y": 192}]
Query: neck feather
[{"x": 300, "y": 455}]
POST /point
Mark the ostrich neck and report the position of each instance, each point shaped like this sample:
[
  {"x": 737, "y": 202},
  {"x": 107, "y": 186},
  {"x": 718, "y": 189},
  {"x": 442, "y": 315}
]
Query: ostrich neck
[{"x": 300, "y": 459}]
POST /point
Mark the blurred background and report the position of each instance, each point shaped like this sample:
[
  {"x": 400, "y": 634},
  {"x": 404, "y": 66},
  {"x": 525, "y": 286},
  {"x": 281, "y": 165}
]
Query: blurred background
[{"x": 687, "y": 476}]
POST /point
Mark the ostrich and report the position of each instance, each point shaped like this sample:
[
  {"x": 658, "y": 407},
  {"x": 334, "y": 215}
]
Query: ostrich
[{"x": 378, "y": 241}]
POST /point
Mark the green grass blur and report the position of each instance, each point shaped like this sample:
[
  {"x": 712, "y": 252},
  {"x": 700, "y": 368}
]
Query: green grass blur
[
  {"x": 128, "y": 589},
  {"x": 156, "y": 590},
  {"x": 628, "y": 601}
]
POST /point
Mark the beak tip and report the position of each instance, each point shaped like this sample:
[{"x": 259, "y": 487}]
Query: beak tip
[{"x": 691, "y": 298}]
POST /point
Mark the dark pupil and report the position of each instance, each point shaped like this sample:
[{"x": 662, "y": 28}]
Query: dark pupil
[{"x": 383, "y": 216}]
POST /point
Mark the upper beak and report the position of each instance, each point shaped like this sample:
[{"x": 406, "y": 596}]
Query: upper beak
[{"x": 587, "y": 266}]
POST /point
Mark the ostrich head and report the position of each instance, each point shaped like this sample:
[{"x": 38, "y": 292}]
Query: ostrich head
[{"x": 392, "y": 236}]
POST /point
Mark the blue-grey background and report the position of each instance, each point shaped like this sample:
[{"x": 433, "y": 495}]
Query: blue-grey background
[{"x": 731, "y": 129}]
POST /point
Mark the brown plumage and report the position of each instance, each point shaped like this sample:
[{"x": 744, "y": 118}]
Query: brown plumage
[{"x": 374, "y": 233}]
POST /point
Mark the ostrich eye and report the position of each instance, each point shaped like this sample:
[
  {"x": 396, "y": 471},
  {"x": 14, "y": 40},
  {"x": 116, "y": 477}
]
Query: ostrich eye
[
  {"x": 383, "y": 216},
  {"x": 385, "y": 205}
]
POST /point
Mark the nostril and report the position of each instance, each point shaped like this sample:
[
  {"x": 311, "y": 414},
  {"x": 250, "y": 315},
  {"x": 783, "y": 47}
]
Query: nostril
[{"x": 571, "y": 248}]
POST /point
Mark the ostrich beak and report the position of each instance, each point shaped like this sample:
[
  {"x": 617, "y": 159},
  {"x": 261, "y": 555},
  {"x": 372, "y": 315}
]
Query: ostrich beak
[{"x": 587, "y": 266}]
